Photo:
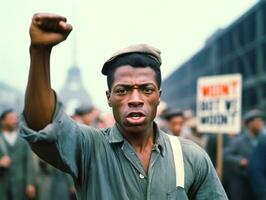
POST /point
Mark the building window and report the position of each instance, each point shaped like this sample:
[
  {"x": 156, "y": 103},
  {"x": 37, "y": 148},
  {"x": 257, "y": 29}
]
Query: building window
[
  {"x": 252, "y": 63},
  {"x": 264, "y": 90},
  {"x": 264, "y": 57},
  {"x": 250, "y": 99}
]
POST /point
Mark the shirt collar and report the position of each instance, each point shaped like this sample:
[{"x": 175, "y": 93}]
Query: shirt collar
[
  {"x": 116, "y": 137},
  {"x": 159, "y": 142}
]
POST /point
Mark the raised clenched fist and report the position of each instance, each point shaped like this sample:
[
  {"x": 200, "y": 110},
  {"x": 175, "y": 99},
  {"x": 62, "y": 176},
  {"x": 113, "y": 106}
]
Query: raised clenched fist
[{"x": 47, "y": 30}]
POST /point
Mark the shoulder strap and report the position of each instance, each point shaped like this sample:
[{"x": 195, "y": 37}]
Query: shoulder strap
[
  {"x": 3, "y": 147},
  {"x": 178, "y": 160}
]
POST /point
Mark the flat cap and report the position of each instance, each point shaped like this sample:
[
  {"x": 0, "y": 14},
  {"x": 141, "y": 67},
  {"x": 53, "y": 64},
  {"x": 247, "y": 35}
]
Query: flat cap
[
  {"x": 172, "y": 112},
  {"x": 150, "y": 51},
  {"x": 83, "y": 109},
  {"x": 252, "y": 114}
]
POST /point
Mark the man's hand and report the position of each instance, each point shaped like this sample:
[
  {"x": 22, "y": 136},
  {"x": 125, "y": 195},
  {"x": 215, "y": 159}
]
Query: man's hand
[
  {"x": 47, "y": 30},
  {"x": 72, "y": 190},
  {"x": 30, "y": 191},
  {"x": 5, "y": 162}
]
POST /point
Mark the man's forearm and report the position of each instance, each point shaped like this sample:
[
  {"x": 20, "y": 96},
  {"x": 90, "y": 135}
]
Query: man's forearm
[
  {"x": 39, "y": 99},
  {"x": 46, "y": 31}
]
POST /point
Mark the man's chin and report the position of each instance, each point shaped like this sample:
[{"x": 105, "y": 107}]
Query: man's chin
[{"x": 136, "y": 130}]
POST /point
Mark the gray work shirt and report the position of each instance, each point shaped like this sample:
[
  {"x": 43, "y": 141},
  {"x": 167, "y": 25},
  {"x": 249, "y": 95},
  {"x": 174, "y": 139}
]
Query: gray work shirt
[{"x": 104, "y": 165}]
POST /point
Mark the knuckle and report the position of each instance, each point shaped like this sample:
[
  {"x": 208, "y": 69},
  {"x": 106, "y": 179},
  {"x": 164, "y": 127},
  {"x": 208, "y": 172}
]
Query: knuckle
[{"x": 35, "y": 14}]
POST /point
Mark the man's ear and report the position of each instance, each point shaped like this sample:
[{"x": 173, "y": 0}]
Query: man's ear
[
  {"x": 160, "y": 93},
  {"x": 108, "y": 94}
]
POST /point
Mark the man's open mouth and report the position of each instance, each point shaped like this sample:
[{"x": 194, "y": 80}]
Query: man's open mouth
[
  {"x": 135, "y": 118},
  {"x": 136, "y": 115}
]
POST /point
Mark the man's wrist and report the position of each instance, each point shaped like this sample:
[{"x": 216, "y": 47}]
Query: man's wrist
[{"x": 36, "y": 49}]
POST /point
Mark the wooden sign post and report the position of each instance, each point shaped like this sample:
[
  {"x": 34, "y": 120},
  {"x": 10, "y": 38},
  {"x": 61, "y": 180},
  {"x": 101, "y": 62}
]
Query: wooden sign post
[{"x": 219, "y": 156}]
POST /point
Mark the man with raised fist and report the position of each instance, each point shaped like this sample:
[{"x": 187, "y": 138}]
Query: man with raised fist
[{"x": 132, "y": 160}]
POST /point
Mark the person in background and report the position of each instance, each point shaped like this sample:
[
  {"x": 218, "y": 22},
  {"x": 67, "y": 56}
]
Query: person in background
[
  {"x": 53, "y": 184},
  {"x": 257, "y": 169},
  {"x": 175, "y": 120},
  {"x": 84, "y": 114},
  {"x": 237, "y": 155},
  {"x": 105, "y": 120},
  {"x": 17, "y": 176},
  {"x": 193, "y": 134}
]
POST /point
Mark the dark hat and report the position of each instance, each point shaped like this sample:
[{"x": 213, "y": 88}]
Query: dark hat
[
  {"x": 83, "y": 109},
  {"x": 171, "y": 112},
  {"x": 150, "y": 51},
  {"x": 252, "y": 114},
  {"x": 5, "y": 113}
]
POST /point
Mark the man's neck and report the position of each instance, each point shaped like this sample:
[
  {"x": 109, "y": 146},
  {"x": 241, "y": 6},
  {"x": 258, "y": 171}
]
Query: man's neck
[
  {"x": 8, "y": 131},
  {"x": 143, "y": 141},
  {"x": 143, "y": 144}
]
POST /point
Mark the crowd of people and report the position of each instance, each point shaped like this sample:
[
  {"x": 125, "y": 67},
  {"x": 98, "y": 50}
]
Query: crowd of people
[{"x": 24, "y": 176}]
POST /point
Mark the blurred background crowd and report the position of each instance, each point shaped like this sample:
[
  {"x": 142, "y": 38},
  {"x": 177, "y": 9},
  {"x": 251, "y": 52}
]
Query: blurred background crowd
[{"x": 23, "y": 174}]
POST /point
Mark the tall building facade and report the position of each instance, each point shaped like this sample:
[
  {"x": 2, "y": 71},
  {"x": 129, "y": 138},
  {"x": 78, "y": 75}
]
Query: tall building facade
[{"x": 239, "y": 48}]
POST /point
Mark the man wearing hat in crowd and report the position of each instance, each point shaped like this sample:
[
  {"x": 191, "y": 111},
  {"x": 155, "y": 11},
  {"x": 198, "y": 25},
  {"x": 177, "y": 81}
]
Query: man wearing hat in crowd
[
  {"x": 175, "y": 120},
  {"x": 84, "y": 114},
  {"x": 131, "y": 160},
  {"x": 238, "y": 152}
]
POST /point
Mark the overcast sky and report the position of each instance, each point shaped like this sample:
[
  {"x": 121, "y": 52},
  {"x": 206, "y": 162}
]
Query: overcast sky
[{"x": 178, "y": 28}]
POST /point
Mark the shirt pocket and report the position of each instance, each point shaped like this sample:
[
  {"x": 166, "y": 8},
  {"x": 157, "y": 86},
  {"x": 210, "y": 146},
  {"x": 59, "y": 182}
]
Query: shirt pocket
[{"x": 177, "y": 194}]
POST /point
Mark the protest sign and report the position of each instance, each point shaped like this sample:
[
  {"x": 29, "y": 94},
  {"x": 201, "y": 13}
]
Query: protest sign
[{"x": 219, "y": 104}]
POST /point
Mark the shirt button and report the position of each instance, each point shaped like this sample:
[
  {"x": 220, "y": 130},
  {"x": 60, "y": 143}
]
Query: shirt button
[{"x": 141, "y": 176}]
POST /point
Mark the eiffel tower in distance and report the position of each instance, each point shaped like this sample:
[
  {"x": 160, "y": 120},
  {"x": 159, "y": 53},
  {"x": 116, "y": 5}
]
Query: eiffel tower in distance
[{"x": 73, "y": 94}]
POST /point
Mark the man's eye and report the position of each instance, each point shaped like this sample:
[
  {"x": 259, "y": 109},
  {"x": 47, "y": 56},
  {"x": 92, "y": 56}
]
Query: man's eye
[
  {"x": 147, "y": 90},
  {"x": 121, "y": 91}
]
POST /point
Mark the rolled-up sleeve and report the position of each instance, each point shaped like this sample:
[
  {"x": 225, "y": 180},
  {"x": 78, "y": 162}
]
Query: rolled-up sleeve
[{"x": 61, "y": 143}]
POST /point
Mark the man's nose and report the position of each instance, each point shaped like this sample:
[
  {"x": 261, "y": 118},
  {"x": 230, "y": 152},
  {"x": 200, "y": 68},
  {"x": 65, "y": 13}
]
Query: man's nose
[{"x": 135, "y": 99}]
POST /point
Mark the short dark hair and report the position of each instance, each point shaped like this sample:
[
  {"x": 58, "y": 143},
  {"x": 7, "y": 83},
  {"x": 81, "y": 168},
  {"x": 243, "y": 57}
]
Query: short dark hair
[
  {"x": 135, "y": 60},
  {"x": 5, "y": 113},
  {"x": 83, "y": 109}
]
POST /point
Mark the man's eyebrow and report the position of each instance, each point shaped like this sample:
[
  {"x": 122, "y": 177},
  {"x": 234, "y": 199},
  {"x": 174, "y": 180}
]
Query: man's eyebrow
[
  {"x": 123, "y": 85},
  {"x": 146, "y": 84}
]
